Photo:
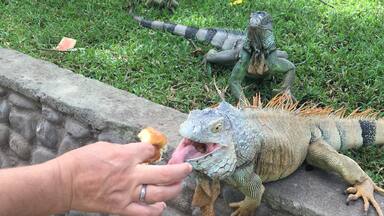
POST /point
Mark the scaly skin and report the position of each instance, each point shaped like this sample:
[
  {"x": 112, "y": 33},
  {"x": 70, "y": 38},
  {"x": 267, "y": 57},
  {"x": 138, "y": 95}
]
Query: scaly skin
[
  {"x": 259, "y": 56},
  {"x": 249, "y": 146},
  {"x": 205, "y": 195},
  {"x": 253, "y": 52}
]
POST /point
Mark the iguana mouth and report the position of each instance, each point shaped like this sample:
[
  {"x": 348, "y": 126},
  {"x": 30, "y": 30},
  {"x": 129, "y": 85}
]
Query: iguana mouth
[
  {"x": 189, "y": 150},
  {"x": 203, "y": 149}
]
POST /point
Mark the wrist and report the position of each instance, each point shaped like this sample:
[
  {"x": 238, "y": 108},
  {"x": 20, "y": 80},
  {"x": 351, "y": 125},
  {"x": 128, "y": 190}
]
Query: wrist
[{"x": 61, "y": 183}]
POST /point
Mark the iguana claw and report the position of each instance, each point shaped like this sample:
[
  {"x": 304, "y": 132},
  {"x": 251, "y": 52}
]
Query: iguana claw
[
  {"x": 286, "y": 91},
  {"x": 244, "y": 208},
  {"x": 207, "y": 65},
  {"x": 365, "y": 191}
]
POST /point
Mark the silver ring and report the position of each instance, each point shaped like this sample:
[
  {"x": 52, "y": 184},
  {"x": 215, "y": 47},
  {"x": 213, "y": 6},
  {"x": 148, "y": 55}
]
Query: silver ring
[{"x": 143, "y": 192}]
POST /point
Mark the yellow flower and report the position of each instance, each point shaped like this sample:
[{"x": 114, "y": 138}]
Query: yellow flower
[{"x": 236, "y": 2}]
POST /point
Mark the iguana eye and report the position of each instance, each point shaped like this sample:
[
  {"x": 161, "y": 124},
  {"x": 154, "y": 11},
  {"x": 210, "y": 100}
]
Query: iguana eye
[{"x": 217, "y": 127}]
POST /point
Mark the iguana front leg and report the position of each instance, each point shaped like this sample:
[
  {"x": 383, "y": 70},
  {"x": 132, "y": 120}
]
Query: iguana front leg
[
  {"x": 322, "y": 155},
  {"x": 277, "y": 64},
  {"x": 238, "y": 74},
  {"x": 250, "y": 184},
  {"x": 205, "y": 195},
  {"x": 225, "y": 57}
]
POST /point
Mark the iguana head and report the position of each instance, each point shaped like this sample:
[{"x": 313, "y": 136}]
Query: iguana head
[
  {"x": 260, "y": 20},
  {"x": 208, "y": 141}
]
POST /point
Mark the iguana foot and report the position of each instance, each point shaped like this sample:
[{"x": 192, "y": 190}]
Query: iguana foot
[
  {"x": 284, "y": 91},
  {"x": 212, "y": 56},
  {"x": 197, "y": 51},
  {"x": 207, "y": 66},
  {"x": 244, "y": 208},
  {"x": 365, "y": 191}
]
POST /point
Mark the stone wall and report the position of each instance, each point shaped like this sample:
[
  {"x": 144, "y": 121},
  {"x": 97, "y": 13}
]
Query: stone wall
[{"x": 32, "y": 132}]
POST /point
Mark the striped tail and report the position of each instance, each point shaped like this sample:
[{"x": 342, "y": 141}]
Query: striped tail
[
  {"x": 379, "y": 135},
  {"x": 220, "y": 38},
  {"x": 345, "y": 134}
]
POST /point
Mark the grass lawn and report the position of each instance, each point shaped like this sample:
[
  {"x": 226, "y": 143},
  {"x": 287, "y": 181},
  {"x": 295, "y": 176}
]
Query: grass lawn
[{"x": 338, "y": 50}]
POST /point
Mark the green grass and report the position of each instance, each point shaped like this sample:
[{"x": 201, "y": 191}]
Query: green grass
[{"x": 338, "y": 51}]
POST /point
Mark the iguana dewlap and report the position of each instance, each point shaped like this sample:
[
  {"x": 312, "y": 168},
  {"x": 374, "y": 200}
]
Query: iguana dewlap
[{"x": 248, "y": 146}]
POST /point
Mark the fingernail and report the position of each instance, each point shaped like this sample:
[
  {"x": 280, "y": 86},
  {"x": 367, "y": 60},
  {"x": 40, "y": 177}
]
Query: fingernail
[{"x": 164, "y": 205}]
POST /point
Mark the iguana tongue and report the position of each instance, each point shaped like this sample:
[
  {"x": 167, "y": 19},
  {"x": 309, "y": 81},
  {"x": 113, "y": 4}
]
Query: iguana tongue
[{"x": 184, "y": 151}]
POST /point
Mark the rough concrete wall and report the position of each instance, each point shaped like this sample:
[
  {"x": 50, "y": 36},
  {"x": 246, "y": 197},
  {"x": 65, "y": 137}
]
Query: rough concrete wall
[
  {"x": 118, "y": 114},
  {"x": 32, "y": 132}
]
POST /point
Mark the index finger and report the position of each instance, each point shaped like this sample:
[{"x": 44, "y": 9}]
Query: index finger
[
  {"x": 163, "y": 174},
  {"x": 140, "y": 152}
]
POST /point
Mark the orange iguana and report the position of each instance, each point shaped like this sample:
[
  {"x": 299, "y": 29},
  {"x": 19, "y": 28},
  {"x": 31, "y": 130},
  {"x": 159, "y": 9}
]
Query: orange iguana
[{"x": 248, "y": 146}]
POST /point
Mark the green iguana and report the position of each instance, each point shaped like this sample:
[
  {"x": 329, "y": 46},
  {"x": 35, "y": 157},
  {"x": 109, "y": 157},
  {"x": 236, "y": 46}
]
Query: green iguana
[
  {"x": 248, "y": 146},
  {"x": 253, "y": 52}
]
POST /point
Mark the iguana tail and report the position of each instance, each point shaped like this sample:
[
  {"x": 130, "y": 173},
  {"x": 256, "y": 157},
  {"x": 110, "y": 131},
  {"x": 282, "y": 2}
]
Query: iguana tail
[
  {"x": 352, "y": 133},
  {"x": 379, "y": 138},
  {"x": 220, "y": 38}
]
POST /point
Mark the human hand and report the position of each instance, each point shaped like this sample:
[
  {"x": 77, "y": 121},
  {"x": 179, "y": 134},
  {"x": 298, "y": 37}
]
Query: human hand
[{"x": 105, "y": 177}]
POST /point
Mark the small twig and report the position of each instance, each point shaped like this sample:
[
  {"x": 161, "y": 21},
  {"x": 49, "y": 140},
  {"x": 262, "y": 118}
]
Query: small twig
[
  {"x": 300, "y": 63},
  {"x": 207, "y": 88},
  {"x": 326, "y": 3},
  {"x": 221, "y": 93},
  {"x": 197, "y": 49},
  {"x": 178, "y": 85},
  {"x": 378, "y": 172},
  {"x": 193, "y": 44},
  {"x": 45, "y": 49}
]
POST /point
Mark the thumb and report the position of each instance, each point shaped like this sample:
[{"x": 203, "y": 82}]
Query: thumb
[{"x": 140, "y": 152}]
